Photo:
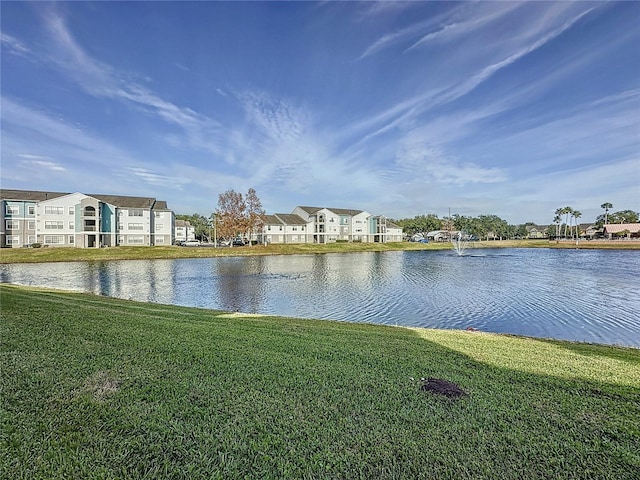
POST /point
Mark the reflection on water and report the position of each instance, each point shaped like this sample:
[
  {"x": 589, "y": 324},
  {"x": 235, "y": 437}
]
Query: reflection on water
[{"x": 586, "y": 295}]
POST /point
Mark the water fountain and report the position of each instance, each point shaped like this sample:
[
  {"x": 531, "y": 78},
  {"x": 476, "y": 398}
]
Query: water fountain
[{"x": 459, "y": 245}]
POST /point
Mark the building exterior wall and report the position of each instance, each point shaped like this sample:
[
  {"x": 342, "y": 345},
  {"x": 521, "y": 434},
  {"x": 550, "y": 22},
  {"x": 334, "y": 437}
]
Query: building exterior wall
[
  {"x": 59, "y": 221},
  {"x": 163, "y": 227},
  {"x": 17, "y": 223},
  {"x": 134, "y": 227}
]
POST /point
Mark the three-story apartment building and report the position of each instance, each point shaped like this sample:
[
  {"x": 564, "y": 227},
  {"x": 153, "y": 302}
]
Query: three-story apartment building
[{"x": 82, "y": 221}]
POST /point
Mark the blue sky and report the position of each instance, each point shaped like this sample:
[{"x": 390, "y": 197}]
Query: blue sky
[{"x": 400, "y": 109}]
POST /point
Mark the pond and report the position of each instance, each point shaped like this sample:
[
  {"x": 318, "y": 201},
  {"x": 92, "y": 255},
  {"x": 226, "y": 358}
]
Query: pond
[{"x": 583, "y": 295}]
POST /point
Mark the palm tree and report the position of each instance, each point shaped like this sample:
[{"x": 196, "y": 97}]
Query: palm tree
[
  {"x": 576, "y": 215},
  {"x": 567, "y": 211},
  {"x": 606, "y": 207},
  {"x": 557, "y": 220}
]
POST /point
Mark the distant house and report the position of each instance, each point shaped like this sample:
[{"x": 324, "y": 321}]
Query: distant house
[
  {"x": 587, "y": 230},
  {"x": 184, "y": 231},
  {"x": 445, "y": 235},
  {"x": 83, "y": 221},
  {"x": 628, "y": 230},
  {"x": 537, "y": 231}
]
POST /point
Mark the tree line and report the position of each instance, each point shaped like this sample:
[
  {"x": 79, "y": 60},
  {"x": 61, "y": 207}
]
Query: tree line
[{"x": 565, "y": 223}]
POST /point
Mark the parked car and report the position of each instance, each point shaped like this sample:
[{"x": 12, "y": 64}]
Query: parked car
[
  {"x": 238, "y": 242},
  {"x": 191, "y": 243}
]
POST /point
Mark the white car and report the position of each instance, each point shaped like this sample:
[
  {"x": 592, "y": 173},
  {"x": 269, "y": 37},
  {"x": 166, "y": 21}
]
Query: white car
[{"x": 192, "y": 243}]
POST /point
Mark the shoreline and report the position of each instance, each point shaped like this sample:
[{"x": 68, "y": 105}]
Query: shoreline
[{"x": 44, "y": 255}]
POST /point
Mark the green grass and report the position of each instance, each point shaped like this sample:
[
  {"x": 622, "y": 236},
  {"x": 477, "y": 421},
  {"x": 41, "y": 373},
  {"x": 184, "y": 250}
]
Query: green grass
[
  {"x": 36, "y": 255},
  {"x": 94, "y": 387}
]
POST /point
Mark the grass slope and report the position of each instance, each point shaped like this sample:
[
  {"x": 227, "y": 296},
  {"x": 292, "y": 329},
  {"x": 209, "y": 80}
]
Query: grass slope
[{"x": 94, "y": 387}]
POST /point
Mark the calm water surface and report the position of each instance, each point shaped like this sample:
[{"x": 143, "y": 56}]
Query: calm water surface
[{"x": 585, "y": 295}]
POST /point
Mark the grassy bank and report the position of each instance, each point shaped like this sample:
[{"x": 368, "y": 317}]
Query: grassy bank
[
  {"x": 94, "y": 387},
  {"x": 35, "y": 255}
]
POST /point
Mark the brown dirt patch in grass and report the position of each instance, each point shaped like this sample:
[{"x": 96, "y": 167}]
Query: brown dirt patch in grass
[{"x": 100, "y": 385}]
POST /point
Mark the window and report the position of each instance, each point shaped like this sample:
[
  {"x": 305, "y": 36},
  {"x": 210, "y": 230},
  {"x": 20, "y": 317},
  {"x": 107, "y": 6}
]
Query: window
[
  {"x": 32, "y": 239},
  {"x": 51, "y": 225},
  {"x": 31, "y": 209},
  {"x": 160, "y": 240},
  {"x": 121, "y": 226},
  {"x": 135, "y": 212},
  {"x": 71, "y": 239},
  {"x": 13, "y": 225},
  {"x": 12, "y": 210},
  {"x": 159, "y": 226},
  {"x": 137, "y": 239},
  {"x": 53, "y": 210},
  {"x": 135, "y": 226},
  {"x": 71, "y": 211},
  {"x": 13, "y": 239},
  {"x": 54, "y": 239},
  {"x": 71, "y": 225},
  {"x": 31, "y": 225},
  {"x": 120, "y": 240},
  {"x": 159, "y": 214}
]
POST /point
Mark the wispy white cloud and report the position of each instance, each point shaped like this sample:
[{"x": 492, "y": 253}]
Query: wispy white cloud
[
  {"x": 101, "y": 80},
  {"x": 475, "y": 19},
  {"x": 13, "y": 45},
  {"x": 41, "y": 161}
]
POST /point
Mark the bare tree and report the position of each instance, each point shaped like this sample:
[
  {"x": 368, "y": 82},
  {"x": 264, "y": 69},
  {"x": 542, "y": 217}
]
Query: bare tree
[
  {"x": 238, "y": 216},
  {"x": 255, "y": 212},
  {"x": 230, "y": 215}
]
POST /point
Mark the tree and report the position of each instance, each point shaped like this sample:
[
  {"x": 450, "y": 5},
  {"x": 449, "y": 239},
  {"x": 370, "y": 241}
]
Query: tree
[
  {"x": 607, "y": 206},
  {"x": 255, "y": 213},
  {"x": 419, "y": 224},
  {"x": 238, "y": 216},
  {"x": 624, "y": 216},
  {"x": 557, "y": 219},
  {"x": 576, "y": 215},
  {"x": 566, "y": 211},
  {"x": 230, "y": 215}
]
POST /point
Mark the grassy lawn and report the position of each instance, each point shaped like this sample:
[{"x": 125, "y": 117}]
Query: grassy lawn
[
  {"x": 35, "y": 255},
  {"x": 93, "y": 387}
]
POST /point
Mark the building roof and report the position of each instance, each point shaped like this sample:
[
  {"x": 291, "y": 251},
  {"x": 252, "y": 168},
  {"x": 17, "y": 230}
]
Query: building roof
[
  {"x": 183, "y": 223},
  {"x": 621, "y": 227},
  {"x": 291, "y": 219},
  {"x": 272, "y": 220},
  {"x": 117, "y": 200},
  {"x": 125, "y": 202},
  {"x": 339, "y": 211},
  {"x": 29, "y": 195}
]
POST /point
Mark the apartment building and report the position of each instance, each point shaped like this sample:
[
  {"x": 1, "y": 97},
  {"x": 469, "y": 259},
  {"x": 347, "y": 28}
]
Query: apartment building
[
  {"x": 81, "y": 220},
  {"x": 327, "y": 225},
  {"x": 184, "y": 231}
]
